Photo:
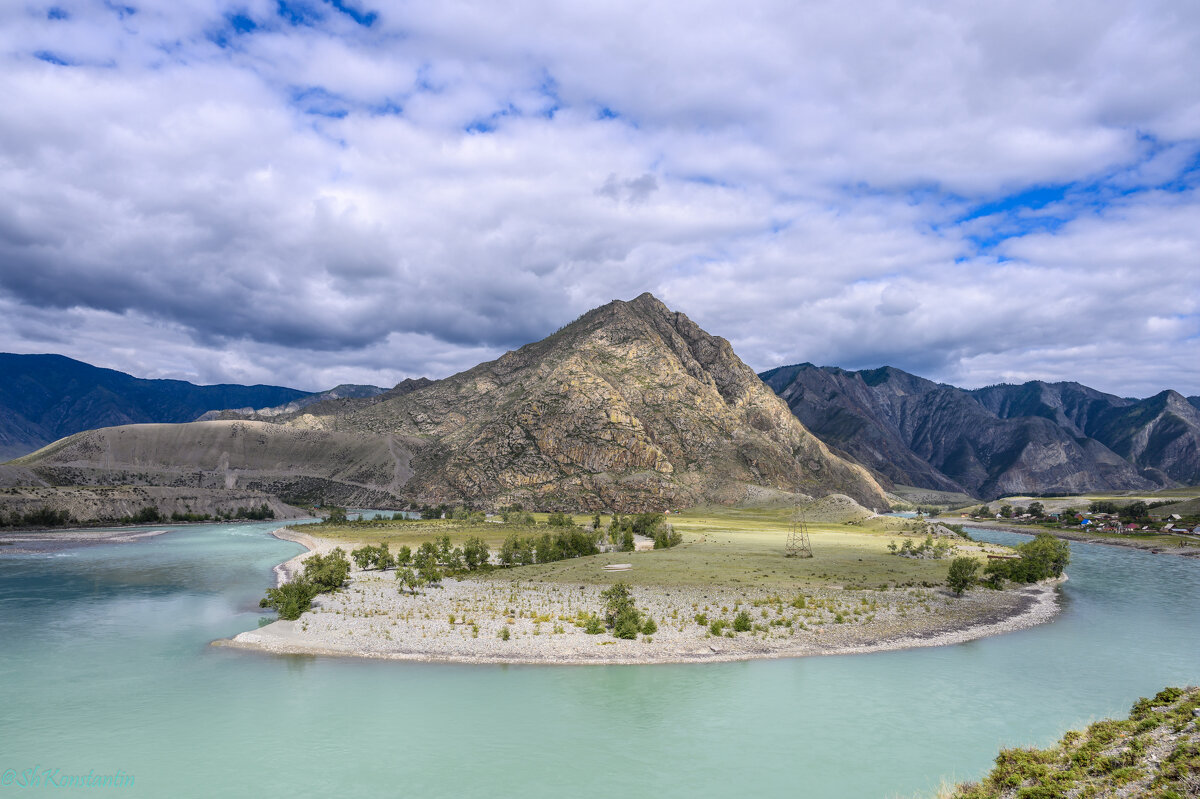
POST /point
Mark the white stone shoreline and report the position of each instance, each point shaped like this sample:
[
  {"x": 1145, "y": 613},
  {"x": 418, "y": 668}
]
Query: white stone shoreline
[{"x": 371, "y": 619}]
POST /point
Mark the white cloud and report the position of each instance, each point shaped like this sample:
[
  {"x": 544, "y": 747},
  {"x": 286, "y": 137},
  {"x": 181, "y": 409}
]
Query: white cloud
[{"x": 329, "y": 203}]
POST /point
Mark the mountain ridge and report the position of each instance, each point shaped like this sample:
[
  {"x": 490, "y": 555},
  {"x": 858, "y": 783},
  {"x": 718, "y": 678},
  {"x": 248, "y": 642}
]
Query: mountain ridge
[
  {"x": 46, "y": 397},
  {"x": 1033, "y": 437}
]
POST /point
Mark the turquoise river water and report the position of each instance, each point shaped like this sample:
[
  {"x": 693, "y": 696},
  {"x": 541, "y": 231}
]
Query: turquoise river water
[{"x": 105, "y": 668}]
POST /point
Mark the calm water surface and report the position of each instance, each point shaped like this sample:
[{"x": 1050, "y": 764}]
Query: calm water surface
[{"x": 105, "y": 665}]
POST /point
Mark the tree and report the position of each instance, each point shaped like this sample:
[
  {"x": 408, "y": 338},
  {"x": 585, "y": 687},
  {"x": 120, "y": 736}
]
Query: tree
[
  {"x": 596, "y": 522},
  {"x": 1135, "y": 510},
  {"x": 962, "y": 574},
  {"x": 407, "y": 580},
  {"x": 984, "y": 512},
  {"x": 363, "y": 556},
  {"x": 425, "y": 561},
  {"x": 336, "y": 515},
  {"x": 475, "y": 553},
  {"x": 1037, "y": 510},
  {"x": 627, "y": 544},
  {"x": 1006, "y": 511},
  {"x": 1044, "y": 556},
  {"x": 620, "y": 613}
]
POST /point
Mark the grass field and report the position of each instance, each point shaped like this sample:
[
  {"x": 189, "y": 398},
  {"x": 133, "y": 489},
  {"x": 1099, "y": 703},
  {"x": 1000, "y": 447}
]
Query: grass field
[
  {"x": 732, "y": 547},
  {"x": 744, "y": 547}
]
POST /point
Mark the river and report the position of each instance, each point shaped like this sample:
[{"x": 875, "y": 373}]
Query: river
[{"x": 105, "y": 668}]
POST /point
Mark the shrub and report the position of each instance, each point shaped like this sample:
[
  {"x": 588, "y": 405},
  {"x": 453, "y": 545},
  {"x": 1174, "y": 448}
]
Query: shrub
[
  {"x": 504, "y": 634},
  {"x": 649, "y": 627},
  {"x": 327, "y": 572},
  {"x": 291, "y": 599},
  {"x": 741, "y": 622},
  {"x": 594, "y": 625}
]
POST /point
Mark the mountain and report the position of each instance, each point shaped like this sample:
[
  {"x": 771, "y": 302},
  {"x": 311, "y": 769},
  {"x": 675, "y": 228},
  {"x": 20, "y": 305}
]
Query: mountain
[
  {"x": 46, "y": 397},
  {"x": 345, "y": 391},
  {"x": 219, "y": 457},
  {"x": 630, "y": 407},
  {"x": 990, "y": 442}
]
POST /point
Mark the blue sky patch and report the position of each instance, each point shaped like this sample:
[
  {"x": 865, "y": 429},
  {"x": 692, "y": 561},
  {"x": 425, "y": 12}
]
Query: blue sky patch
[
  {"x": 320, "y": 102},
  {"x": 57, "y": 13},
  {"x": 298, "y": 13},
  {"x": 366, "y": 20},
  {"x": 51, "y": 58}
]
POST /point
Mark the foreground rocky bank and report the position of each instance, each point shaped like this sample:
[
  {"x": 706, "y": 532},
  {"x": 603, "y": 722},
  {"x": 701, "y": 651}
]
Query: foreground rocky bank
[
  {"x": 1155, "y": 752},
  {"x": 505, "y": 621}
]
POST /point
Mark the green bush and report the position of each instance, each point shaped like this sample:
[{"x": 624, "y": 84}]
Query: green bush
[
  {"x": 327, "y": 572},
  {"x": 742, "y": 623},
  {"x": 962, "y": 574},
  {"x": 594, "y": 625},
  {"x": 291, "y": 599}
]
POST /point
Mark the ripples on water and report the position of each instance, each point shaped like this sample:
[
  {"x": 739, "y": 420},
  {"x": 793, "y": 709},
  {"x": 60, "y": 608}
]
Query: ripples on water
[{"x": 105, "y": 665}]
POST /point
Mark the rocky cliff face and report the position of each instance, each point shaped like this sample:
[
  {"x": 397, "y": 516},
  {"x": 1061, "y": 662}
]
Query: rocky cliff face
[
  {"x": 632, "y": 406},
  {"x": 1032, "y": 438}
]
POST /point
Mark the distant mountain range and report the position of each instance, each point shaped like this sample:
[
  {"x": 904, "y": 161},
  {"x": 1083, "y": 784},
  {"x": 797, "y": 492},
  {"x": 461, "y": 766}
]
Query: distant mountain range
[
  {"x": 46, "y": 397},
  {"x": 996, "y": 441},
  {"x": 630, "y": 407}
]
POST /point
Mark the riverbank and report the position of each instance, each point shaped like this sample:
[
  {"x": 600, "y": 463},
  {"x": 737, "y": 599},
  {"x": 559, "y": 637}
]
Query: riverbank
[
  {"x": 1129, "y": 542},
  {"x": 462, "y": 621},
  {"x": 25, "y": 542}
]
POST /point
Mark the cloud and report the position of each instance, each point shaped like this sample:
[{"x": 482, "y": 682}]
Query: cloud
[{"x": 312, "y": 192}]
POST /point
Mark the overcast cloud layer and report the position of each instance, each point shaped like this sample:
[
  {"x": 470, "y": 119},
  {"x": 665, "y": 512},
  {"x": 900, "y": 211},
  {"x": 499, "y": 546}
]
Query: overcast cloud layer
[{"x": 308, "y": 193}]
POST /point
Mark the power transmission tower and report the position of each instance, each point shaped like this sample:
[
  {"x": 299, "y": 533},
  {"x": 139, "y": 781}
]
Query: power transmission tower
[{"x": 798, "y": 545}]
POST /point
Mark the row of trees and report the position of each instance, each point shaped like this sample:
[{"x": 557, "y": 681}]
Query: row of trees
[
  {"x": 49, "y": 517},
  {"x": 565, "y": 543},
  {"x": 935, "y": 549},
  {"x": 428, "y": 564},
  {"x": 1043, "y": 557},
  {"x": 1035, "y": 509},
  {"x": 42, "y": 517}
]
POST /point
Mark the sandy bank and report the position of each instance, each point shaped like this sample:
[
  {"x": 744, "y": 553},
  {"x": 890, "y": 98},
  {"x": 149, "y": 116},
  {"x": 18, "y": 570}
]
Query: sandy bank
[
  {"x": 28, "y": 542},
  {"x": 461, "y": 621}
]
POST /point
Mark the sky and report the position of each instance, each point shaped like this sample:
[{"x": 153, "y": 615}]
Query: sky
[{"x": 308, "y": 193}]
